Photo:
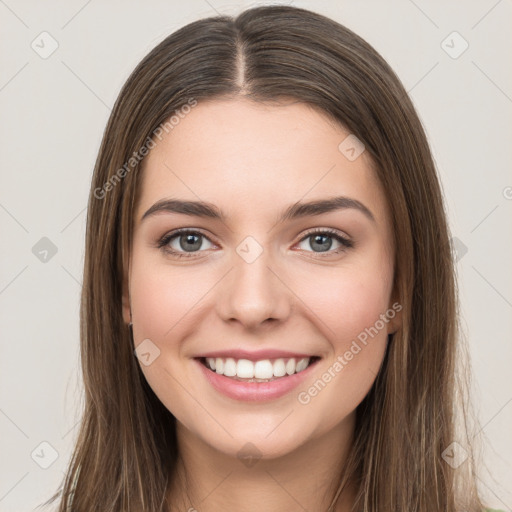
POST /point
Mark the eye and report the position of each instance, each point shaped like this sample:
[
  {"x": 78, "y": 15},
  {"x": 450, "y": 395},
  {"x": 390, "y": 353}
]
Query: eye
[
  {"x": 320, "y": 240},
  {"x": 186, "y": 243},
  {"x": 182, "y": 243}
]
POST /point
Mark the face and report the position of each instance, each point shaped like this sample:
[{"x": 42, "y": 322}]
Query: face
[{"x": 252, "y": 289}]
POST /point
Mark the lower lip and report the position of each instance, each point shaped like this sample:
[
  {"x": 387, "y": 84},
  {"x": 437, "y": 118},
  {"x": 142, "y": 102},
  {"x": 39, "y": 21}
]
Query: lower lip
[{"x": 255, "y": 391}]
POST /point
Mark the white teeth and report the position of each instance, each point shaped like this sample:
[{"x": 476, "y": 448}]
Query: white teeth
[
  {"x": 279, "y": 368},
  {"x": 245, "y": 369},
  {"x": 230, "y": 367},
  {"x": 264, "y": 369},
  {"x": 301, "y": 365}
]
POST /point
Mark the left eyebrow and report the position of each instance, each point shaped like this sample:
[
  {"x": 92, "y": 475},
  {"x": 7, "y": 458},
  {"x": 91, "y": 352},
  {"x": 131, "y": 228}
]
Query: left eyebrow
[{"x": 294, "y": 211}]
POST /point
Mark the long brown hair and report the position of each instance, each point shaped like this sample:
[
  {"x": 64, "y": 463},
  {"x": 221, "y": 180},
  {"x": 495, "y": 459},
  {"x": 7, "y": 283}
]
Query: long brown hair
[{"x": 126, "y": 449}]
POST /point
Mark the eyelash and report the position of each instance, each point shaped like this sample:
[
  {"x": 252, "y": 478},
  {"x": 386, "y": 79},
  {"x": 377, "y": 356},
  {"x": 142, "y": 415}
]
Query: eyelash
[{"x": 164, "y": 241}]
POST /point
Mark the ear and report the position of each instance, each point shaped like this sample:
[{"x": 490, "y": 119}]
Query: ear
[
  {"x": 395, "y": 323},
  {"x": 126, "y": 305},
  {"x": 395, "y": 313}
]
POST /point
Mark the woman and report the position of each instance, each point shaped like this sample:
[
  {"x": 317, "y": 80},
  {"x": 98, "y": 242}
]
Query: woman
[{"x": 269, "y": 315}]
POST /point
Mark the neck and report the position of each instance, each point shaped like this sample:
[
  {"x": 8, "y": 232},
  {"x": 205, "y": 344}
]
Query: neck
[{"x": 306, "y": 479}]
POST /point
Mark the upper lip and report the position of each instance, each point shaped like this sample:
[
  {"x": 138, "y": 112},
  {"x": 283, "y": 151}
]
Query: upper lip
[{"x": 256, "y": 355}]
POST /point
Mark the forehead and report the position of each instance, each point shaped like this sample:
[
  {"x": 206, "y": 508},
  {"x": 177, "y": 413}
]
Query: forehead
[{"x": 249, "y": 157}]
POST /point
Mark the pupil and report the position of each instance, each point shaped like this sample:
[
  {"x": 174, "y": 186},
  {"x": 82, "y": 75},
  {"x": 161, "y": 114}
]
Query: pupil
[
  {"x": 189, "y": 244},
  {"x": 318, "y": 240}
]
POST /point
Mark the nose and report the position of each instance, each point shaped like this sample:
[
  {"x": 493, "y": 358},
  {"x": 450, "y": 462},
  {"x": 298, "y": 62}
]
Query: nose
[{"x": 253, "y": 294}]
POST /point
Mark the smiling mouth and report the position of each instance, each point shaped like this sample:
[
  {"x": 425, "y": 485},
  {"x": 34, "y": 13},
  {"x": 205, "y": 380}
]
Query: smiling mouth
[{"x": 266, "y": 370}]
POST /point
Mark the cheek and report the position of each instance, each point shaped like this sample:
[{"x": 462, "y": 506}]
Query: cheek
[
  {"x": 351, "y": 315},
  {"x": 346, "y": 302},
  {"x": 163, "y": 297},
  {"x": 164, "y": 300},
  {"x": 152, "y": 304}
]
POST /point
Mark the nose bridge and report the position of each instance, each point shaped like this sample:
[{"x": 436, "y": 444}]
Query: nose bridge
[{"x": 253, "y": 293}]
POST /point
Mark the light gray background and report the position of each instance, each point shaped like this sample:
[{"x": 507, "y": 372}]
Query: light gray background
[{"x": 54, "y": 110}]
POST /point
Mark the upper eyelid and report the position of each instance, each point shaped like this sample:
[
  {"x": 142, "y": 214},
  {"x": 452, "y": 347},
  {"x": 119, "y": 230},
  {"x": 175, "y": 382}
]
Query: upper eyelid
[{"x": 182, "y": 231}]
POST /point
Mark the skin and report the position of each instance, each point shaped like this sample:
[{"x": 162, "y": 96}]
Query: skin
[{"x": 252, "y": 161}]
